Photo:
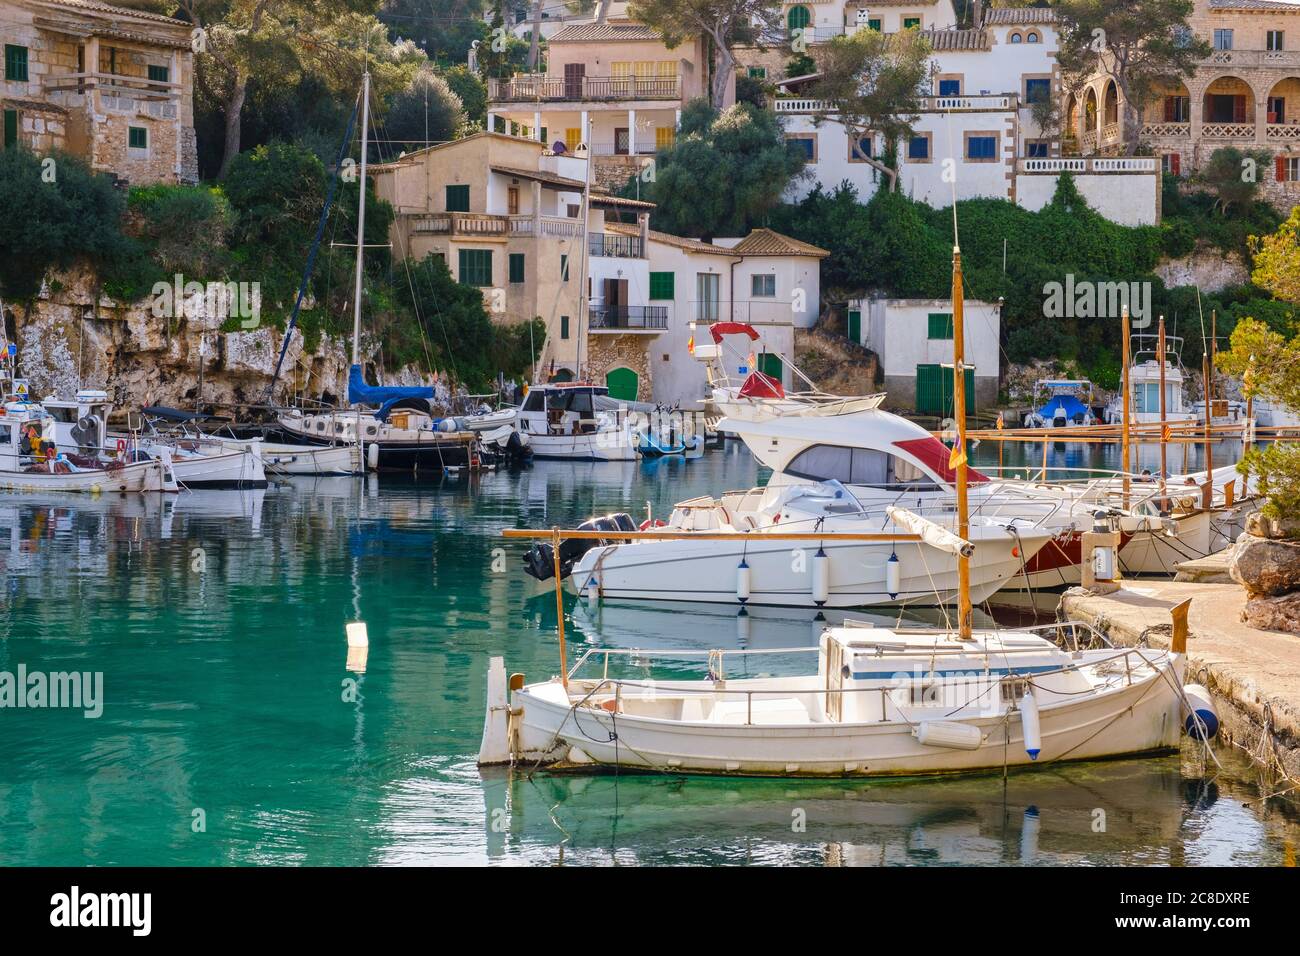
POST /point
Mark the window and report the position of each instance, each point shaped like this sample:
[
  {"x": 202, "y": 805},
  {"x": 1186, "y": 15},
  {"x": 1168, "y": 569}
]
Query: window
[
  {"x": 457, "y": 199},
  {"x": 1273, "y": 40},
  {"x": 763, "y": 285},
  {"x": 475, "y": 267},
  {"x": 758, "y": 73},
  {"x": 855, "y": 466},
  {"x": 16, "y": 63},
  {"x": 516, "y": 267},
  {"x": 665, "y": 136},
  {"x": 1017, "y": 38},
  {"x": 572, "y": 138},
  {"x": 875, "y": 24},
  {"x": 1223, "y": 39},
  {"x": 798, "y": 17},
  {"x": 1171, "y": 163},
  {"x": 662, "y": 285},
  {"x": 918, "y": 148},
  {"x": 564, "y": 267},
  {"x": 1178, "y": 109},
  {"x": 940, "y": 325},
  {"x": 1031, "y": 37},
  {"x": 864, "y": 145},
  {"x": 1036, "y": 148},
  {"x": 512, "y": 200},
  {"x": 950, "y": 87},
  {"x": 805, "y": 144},
  {"x": 159, "y": 74},
  {"x": 137, "y": 137},
  {"x": 564, "y": 326},
  {"x": 1038, "y": 90},
  {"x": 910, "y": 23},
  {"x": 981, "y": 147},
  {"x": 1288, "y": 169},
  {"x": 11, "y": 129}
]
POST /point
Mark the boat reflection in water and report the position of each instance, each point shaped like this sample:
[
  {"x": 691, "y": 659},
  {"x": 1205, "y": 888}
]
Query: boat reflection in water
[{"x": 1152, "y": 812}]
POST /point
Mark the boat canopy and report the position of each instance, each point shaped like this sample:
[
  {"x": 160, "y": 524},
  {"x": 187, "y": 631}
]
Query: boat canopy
[
  {"x": 719, "y": 329},
  {"x": 177, "y": 415},
  {"x": 1064, "y": 382},
  {"x": 359, "y": 393},
  {"x": 760, "y": 385},
  {"x": 1071, "y": 405}
]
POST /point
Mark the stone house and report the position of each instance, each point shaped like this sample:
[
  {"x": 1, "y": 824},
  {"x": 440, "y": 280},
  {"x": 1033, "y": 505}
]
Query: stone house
[{"x": 111, "y": 85}]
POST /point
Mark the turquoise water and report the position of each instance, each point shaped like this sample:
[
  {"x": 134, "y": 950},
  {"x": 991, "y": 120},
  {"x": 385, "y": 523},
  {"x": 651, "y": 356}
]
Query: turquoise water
[{"x": 217, "y": 622}]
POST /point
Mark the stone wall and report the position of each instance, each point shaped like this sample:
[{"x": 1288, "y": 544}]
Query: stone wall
[
  {"x": 606, "y": 352},
  {"x": 68, "y": 338}
]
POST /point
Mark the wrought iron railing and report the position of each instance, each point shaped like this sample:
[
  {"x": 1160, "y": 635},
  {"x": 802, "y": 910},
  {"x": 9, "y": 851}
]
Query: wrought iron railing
[{"x": 627, "y": 317}]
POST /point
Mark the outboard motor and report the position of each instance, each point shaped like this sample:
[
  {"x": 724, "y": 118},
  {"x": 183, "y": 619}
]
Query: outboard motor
[{"x": 539, "y": 560}]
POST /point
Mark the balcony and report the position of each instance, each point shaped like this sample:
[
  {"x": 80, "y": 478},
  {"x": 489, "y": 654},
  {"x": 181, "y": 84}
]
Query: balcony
[
  {"x": 1227, "y": 131},
  {"x": 111, "y": 84},
  {"x": 1075, "y": 164},
  {"x": 1258, "y": 59},
  {"x": 615, "y": 247},
  {"x": 927, "y": 104},
  {"x": 627, "y": 318},
  {"x": 526, "y": 88},
  {"x": 1167, "y": 130},
  {"x": 486, "y": 224}
]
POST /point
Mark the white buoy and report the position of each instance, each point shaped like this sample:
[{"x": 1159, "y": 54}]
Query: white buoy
[
  {"x": 357, "y": 634},
  {"x": 893, "y": 576},
  {"x": 949, "y": 734},
  {"x": 1029, "y": 725},
  {"x": 1202, "y": 721},
  {"x": 372, "y": 456},
  {"x": 742, "y": 581},
  {"x": 821, "y": 577}
]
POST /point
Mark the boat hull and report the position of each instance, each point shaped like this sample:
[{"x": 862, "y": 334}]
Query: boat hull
[
  {"x": 598, "y": 446},
  {"x": 228, "y": 469},
  {"x": 142, "y": 476},
  {"x": 1140, "y": 718},
  {"x": 281, "y": 459}
]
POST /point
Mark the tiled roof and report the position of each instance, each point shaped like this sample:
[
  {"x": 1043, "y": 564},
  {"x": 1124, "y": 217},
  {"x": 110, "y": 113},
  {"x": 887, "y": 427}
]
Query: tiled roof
[
  {"x": 689, "y": 245},
  {"x": 606, "y": 199},
  {"x": 541, "y": 176},
  {"x": 96, "y": 7},
  {"x": 606, "y": 32},
  {"x": 1005, "y": 15},
  {"x": 1278, "y": 5},
  {"x": 767, "y": 242},
  {"x": 958, "y": 39}
]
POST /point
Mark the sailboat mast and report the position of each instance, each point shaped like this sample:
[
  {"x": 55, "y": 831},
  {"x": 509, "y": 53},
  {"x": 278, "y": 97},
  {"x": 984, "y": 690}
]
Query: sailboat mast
[
  {"x": 361, "y": 219},
  {"x": 1124, "y": 410},
  {"x": 1160, "y": 348},
  {"x": 959, "y": 450}
]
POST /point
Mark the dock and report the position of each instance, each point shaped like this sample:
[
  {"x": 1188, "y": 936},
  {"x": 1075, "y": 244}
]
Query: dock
[{"x": 1254, "y": 675}]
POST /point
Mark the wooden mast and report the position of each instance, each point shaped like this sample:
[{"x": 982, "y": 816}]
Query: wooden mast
[
  {"x": 1160, "y": 358},
  {"x": 1124, "y": 411},
  {"x": 958, "y": 459},
  {"x": 1207, "y": 365}
]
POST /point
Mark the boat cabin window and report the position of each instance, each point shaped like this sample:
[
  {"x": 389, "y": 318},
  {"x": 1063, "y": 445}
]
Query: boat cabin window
[
  {"x": 570, "y": 400},
  {"x": 536, "y": 401},
  {"x": 858, "y": 466},
  {"x": 65, "y": 414},
  {"x": 1146, "y": 397},
  {"x": 5, "y": 437}
]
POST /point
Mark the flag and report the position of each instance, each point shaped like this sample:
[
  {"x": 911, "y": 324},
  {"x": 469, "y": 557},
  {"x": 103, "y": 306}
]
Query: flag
[
  {"x": 1166, "y": 434},
  {"x": 1001, "y": 423},
  {"x": 690, "y": 345},
  {"x": 957, "y": 458}
]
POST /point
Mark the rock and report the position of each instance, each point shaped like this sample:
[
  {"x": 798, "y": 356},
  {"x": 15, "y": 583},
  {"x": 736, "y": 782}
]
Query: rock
[
  {"x": 1265, "y": 566},
  {"x": 1281, "y": 613},
  {"x": 1262, "y": 526}
]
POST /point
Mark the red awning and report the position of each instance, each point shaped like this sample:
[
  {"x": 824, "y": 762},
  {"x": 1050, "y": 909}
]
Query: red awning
[
  {"x": 719, "y": 329},
  {"x": 934, "y": 455},
  {"x": 759, "y": 385}
]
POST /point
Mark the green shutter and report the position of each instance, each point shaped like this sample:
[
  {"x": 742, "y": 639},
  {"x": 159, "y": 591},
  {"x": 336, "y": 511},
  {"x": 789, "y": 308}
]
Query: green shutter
[
  {"x": 798, "y": 17},
  {"x": 564, "y": 268},
  {"x": 940, "y": 325},
  {"x": 475, "y": 267},
  {"x": 662, "y": 285},
  {"x": 564, "y": 326},
  {"x": 159, "y": 74},
  {"x": 934, "y": 390},
  {"x": 457, "y": 199},
  {"x": 11, "y": 129},
  {"x": 769, "y": 363},
  {"x": 137, "y": 137},
  {"x": 855, "y": 326},
  {"x": 516, "y": 267},
  {"x": 15, "y": 63}
]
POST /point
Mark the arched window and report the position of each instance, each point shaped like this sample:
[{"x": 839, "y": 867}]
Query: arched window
[
  {"x": 1015, "y": 38},
  {"x": 1031, "y": 37},
  {"x": 798, "y": 17}
]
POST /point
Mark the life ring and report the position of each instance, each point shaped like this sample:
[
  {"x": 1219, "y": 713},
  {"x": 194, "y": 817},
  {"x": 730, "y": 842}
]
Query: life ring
[{"x": 121, "y": 446}]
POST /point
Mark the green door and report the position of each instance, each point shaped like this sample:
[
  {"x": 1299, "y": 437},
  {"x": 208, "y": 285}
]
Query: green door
[
  {"x": 934, "y": 390},
  {"x": 770, "y": 364},
  {"x": 622, "y": 384},
  {"x": 855, "y": 326}
]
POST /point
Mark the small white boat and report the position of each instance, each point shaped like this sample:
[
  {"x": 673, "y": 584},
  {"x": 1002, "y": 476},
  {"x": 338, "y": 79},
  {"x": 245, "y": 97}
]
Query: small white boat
[
  {"x": 209, "y": 462},
  {"x": 284, "y": 459},
  {"x": 1067, "y": 404},
  {"x": 880, "y": 702},
  {"x": 576, "y": 420}
]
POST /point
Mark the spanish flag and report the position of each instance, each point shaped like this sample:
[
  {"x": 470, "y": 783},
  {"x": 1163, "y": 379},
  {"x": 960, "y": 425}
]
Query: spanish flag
[
  {"x": 1166, "y": 434},
  {"x": 690, "y": 345},
  {"x": 1001, "y": 423},
  {"x": 957, "y": 458}
]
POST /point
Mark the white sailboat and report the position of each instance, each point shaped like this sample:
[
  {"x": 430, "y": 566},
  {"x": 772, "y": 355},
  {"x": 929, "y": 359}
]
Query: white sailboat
[{"x": 881, "y": 701}]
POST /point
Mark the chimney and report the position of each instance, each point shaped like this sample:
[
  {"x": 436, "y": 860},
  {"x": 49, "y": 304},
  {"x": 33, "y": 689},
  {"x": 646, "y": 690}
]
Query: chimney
[{"x": 977, "y": 14}]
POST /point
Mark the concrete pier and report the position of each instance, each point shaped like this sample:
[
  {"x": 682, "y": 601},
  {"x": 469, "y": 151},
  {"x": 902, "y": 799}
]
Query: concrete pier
[{"x": 1254, "y": 675}]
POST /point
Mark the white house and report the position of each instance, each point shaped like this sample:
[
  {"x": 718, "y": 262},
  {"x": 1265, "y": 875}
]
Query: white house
[
  {"x": 778, "y": 279},
  {"x": 913, "y": 341}
]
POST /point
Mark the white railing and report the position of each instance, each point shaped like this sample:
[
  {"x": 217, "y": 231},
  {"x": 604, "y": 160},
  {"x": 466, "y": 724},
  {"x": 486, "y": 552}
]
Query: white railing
[
  {"x": 799, "y": 105},
  {"x": 944, "y": 104},
  {"x": 1118, "y": 164}
]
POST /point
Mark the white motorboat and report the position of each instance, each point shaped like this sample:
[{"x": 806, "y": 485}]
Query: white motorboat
[
  {"x": 881, "y": 701},
  {"x": 577, "y": 420},
  {"x": 746, "y": 565}
]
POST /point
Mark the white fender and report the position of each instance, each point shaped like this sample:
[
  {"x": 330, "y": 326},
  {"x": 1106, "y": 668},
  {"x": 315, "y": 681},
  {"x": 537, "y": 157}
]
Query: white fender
[
  {"x": 1202, "y": 721},
  {"x": 1029, "y": 725},
  {"x": 821, "y": 578},
  {"x": 742, "y": 581},
  {"x": 893, "y": 576},
  {"x": 495, "y": 746}
]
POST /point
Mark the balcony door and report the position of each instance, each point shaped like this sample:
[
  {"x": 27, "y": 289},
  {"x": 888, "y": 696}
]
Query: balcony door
[
  {"x": 573, "y": 75},
  {"x": 620, "y": 140},
  {"x": 706, "y": 297},
  {"x": 616, "y": 303}
]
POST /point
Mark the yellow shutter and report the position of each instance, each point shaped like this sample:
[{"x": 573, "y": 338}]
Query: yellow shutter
[
  {"x": 572, "y": 137},
  {"x": 645, "y": 69},
  {"x": 665, "y": 136},
  {"x": 620, "y": 69},
  {"x": 667, "y": 69}
]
